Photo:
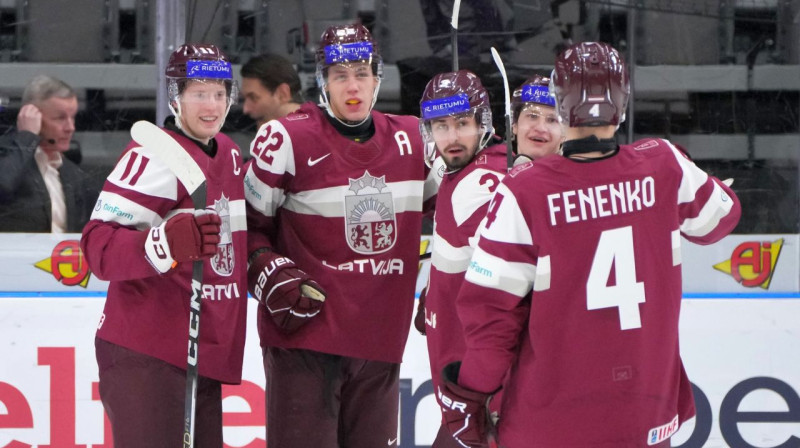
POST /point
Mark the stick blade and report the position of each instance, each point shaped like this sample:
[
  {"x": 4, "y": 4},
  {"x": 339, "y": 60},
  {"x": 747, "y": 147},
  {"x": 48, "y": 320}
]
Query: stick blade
[
  {"x": 170, "y": 153},
  {"x": 498, "y": 61},
  {"x": 454, "y": 18}
]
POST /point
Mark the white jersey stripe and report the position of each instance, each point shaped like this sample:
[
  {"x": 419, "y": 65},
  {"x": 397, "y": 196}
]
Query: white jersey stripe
[
  {"x": 470, "y": 195},
  {"x": 448, "y": 258},
  {"x": 543, "y": 273},
  {"x": 238, "y": 217},
  {"x": 327, "y": 202},
  {"x": 717, "y": 207},
  {"x": 434, "y": 179},
  {"x": 676, "y": 247},
  {"x": 260, "y": 196},
  {"x": 112, "y": 207},
  {"x": 282, "y": 155},
  {"x": 140, "y": 171},
  {"x": 509, "y": 225},
  {"x": 693, "y": 177},
  {"x": 493, "y": 272}
]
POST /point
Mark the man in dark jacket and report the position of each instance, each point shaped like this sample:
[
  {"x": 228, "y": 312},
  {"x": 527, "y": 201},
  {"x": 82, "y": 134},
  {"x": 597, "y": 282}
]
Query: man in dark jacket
[{"x": 40, "y": 189}]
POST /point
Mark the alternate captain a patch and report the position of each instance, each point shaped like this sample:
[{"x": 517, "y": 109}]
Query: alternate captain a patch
[{"x": 370, "y": 225}]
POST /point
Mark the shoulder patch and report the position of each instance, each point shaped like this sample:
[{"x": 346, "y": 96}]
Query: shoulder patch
[
  {"x": 647, "y": 144},
  {"x": 520, "y": 168},
  {"x": 296, "y": 117}
]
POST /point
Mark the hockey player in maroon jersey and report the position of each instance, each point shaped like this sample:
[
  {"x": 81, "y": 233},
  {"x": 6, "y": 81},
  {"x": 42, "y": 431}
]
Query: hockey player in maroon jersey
[
  {"x": 535, "y": 126},
  {"x": 456, "y": 126},
  {"x": 596, "y": 235},
  {"x": 144, "y": 237},
  {"x": 335, "y": 198}
]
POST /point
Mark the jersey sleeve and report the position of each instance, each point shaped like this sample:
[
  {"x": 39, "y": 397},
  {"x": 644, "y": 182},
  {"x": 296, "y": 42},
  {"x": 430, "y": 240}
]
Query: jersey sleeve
[
  {"x": 708, "y": 209},
  {"x": 453, "y": 246},
  {"x": 269, "y": 172},
  {"x": 491, "y": 303},
  {"x": 138, "y": 194}
]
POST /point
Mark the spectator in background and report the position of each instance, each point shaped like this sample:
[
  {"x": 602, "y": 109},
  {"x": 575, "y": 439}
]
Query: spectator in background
[
  {"x": 40, "y": 189},
  {"x": 270, "y": 87}
]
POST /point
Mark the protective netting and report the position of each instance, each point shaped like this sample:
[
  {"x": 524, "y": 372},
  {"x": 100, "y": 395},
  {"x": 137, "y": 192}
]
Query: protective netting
[{"x": 741, "y": 9}]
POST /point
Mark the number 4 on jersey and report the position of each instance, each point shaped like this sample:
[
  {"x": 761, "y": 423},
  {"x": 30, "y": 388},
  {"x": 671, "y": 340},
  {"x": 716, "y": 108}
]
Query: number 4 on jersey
[{"x": 615, "y": 249}]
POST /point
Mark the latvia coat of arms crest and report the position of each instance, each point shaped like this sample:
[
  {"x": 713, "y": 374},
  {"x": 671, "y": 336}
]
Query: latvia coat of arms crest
[
  {"x": 222, "y": 263},
  {"x": 370, "y": 225}
]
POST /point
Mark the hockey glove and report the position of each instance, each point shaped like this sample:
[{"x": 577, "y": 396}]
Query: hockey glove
[
  {"x": 183, "y": 237},
  {"x": 291, "y": 297},
  {"x": 419, "y": 318},
  {"x": 465, "y": 411}
]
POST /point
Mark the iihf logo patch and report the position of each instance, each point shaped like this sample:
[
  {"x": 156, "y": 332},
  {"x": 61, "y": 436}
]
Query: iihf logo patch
[
  {"x": 663, "y": 432},
  {"x": 370, "y": 226},
  {"x": 223, "y": 263}
]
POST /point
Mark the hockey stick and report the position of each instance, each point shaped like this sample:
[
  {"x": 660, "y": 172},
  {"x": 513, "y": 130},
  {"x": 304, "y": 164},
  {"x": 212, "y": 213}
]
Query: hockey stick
[
  {"x": 454, "y": 33},
  {"x": 183, "y": 166},
  {"x": 509, "y": 135}
]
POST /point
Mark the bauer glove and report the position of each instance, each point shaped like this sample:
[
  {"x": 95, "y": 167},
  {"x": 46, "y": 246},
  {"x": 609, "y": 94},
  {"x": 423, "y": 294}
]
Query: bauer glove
[
  {"x": 465, "y": 411},
  {"x": 291, "y": 297},
  {"x": 183, "y": 237}
]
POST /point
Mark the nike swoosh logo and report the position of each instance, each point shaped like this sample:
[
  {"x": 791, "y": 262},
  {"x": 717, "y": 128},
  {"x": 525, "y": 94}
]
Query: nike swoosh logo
[
  {"x": 312, "y": 162},
  {"x": 392, "y": 441}
]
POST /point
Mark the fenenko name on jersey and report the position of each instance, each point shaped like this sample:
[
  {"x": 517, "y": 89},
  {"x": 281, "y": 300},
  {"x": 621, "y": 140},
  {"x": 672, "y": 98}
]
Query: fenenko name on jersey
[{"x": 601, "y": 200}]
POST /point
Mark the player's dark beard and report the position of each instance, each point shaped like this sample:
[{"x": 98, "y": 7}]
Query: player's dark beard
[{"x": 458, "y": 162}]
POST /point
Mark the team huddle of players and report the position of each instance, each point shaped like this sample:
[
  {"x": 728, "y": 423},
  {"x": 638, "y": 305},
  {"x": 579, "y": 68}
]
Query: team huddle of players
[{"x": 551, "y": 313}]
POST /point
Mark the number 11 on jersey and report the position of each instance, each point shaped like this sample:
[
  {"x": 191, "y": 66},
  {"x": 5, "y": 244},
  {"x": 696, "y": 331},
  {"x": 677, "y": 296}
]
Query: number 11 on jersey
[{"x": 615, "y": 249}]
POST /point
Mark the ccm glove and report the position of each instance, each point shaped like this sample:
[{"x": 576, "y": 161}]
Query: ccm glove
[
  {"x": 465, "y": 411},
  {"x": 419, "y": 318},
  {"x": 183, "y": 237},
  {"x": 291, "y": 297}
]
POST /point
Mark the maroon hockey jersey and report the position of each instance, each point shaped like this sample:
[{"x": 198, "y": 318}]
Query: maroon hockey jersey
[
  {"x": 461, "y": 204},
  {"x": 349, "y": 214},
  {"x": 596, "y": 361},
  {"x": 149, "y": 312}
]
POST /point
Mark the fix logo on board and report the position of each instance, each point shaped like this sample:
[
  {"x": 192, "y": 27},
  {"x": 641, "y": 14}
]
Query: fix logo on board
[
  {"x": 752, "y": 263},
  {"x": 67, "y": 264}
]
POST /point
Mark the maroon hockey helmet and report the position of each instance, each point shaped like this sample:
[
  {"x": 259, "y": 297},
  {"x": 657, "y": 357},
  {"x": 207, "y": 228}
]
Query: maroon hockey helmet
[
  {"x": 345, "y": 44},
  {"x": 535, "y": 90},
  {"x": 454, "y": 93},
  {"x": 186, "y": 61},
  {"x": 198, "y": 62},
  {"x": 591, "y": 85}
]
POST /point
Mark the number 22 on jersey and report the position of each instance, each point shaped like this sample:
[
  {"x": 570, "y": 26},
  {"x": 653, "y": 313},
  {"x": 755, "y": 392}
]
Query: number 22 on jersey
[
  {"x": 267, "y": 142},
  {"x": 615, "y": 249}
]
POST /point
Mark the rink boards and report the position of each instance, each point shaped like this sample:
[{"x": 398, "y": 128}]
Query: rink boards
[{"x": 740, "y": 338}]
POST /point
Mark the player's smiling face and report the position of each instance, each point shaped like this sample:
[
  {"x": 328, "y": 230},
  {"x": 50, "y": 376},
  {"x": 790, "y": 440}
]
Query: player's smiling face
[
  {"x": 456, "y": 139},
  {"x": 538, "y": 131},
  {"x": 203, "y": 108},
  {"x": 350, "y": 90}
]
